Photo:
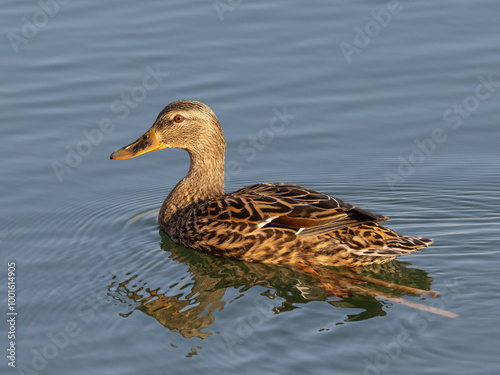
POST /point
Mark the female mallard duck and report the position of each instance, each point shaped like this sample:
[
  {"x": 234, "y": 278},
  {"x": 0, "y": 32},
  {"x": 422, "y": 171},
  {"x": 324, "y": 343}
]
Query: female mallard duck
[{"x": 269, "y": 222}]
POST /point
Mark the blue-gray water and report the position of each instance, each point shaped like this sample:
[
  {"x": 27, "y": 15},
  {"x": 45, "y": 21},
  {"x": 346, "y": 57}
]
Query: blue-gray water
[{"x": 403, "y": 122}]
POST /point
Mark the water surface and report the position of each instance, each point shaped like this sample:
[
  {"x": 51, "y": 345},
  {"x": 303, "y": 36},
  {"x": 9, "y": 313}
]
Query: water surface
[{"x": 398, "y": 127}]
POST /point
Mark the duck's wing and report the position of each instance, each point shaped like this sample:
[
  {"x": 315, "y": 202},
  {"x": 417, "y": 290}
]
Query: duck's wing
[{"x": 306, "y": 211}]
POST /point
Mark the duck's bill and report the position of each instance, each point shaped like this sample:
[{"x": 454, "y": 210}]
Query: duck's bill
[{"x": 146, "y": 143}]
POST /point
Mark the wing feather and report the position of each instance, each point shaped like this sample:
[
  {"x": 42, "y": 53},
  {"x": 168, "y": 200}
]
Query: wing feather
[{"x": 300, "y": 209}]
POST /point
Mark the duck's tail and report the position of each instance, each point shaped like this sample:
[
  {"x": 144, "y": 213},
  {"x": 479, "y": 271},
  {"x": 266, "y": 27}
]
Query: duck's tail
[{"x": 373, "y": 243}]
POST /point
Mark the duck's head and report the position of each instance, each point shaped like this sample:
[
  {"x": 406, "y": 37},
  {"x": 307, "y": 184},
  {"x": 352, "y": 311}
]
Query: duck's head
[{"x": 185, "y": 124}]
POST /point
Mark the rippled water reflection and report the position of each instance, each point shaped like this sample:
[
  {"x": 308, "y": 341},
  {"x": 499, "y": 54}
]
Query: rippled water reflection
[{"x": 190, "y": 303}]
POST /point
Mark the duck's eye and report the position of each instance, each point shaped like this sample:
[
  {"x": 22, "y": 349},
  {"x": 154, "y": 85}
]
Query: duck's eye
[{"x": 179, "y": 118}]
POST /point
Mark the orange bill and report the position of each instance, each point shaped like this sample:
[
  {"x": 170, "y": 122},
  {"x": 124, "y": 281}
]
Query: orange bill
[{"x": 146, "y": 143}]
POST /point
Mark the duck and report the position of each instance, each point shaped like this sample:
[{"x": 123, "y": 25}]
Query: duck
[{"x": 275, "y": 223}]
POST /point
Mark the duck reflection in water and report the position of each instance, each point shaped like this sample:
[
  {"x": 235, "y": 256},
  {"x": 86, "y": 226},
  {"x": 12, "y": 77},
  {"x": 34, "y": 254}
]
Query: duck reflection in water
[{"x": 194, "y": 307}]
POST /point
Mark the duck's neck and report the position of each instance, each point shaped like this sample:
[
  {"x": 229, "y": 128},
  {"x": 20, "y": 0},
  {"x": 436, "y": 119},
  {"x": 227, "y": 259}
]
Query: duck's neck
[{"x": 204, "y": 181}]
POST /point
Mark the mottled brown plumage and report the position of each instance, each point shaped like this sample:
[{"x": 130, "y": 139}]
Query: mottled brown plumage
[{"x": 270, "y": 222}]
